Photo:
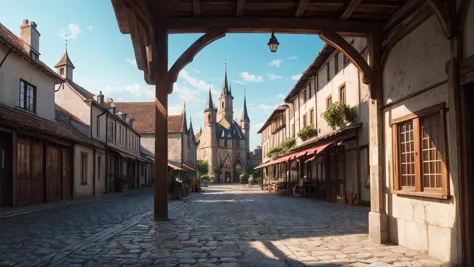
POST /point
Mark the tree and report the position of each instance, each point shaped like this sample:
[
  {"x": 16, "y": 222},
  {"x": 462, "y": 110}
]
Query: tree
[
  {"x": 203, "y": 167},
  {"x": 217, "y": 171}
]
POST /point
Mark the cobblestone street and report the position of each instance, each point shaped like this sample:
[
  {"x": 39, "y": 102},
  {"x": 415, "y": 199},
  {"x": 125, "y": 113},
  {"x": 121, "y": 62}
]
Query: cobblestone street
[{"x": 224, "y": 226}]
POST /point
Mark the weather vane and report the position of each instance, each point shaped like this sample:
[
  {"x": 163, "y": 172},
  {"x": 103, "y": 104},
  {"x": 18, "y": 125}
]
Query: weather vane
[{"x": 66, "y": 40}]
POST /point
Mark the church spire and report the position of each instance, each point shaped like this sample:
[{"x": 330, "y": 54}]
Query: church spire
[
  {"x": 245, "y": 115},
  {"x": 225, "y": 85},
  {"x": 65, "y": 67},
  {"x": 209, "y": 104}
]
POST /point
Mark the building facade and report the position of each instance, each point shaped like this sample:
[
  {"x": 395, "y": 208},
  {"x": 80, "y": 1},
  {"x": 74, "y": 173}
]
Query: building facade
[
  {"x": 182, "y": 144},
  {"x": 224, "y": 142}
]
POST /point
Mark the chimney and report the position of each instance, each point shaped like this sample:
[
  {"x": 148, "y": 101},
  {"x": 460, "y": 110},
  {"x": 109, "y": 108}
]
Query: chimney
[
  {"x": 100, "y": 98},
  {"x": 30, "y": 36},
  {"x": 130, "y": 122}
]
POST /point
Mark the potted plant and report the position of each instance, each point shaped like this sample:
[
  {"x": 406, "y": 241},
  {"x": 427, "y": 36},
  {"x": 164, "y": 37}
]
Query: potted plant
[
  {"x": 122, "y": 183},
  {"x": 174, "y": 186},
  {"x": 339, "y": 114},
  {"x": 307, "y": 132}
]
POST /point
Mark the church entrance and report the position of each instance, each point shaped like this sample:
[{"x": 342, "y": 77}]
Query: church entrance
[{"x": 227, "y": 177}]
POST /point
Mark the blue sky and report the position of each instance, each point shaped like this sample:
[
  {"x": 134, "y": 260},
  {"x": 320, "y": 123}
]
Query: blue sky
[{"x": 104, "y": 59}]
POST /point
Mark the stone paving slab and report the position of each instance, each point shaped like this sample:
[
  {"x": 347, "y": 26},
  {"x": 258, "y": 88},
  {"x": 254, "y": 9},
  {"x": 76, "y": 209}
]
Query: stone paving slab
[{"x": 238, "y": 226}]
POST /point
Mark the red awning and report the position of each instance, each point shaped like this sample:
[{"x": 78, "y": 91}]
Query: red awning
[
  {"x": 189, "y": 168},
  {"x": 175, "y": 167}
]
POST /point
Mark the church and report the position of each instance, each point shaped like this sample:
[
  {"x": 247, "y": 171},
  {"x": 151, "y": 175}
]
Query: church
[{"x": 224, "y": 142}]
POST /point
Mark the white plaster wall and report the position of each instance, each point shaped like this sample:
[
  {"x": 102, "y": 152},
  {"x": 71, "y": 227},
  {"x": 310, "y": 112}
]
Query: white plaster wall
[
  {"x": 468, "y": 33},
  {"x": 98, "y": 115},
  {"x": 70, "y": 101},
  {"x": 15, "y": 68},
  {"x": 424, "y": 224},
  {"x": 174, "y": 148},
  {"x": 100, "y": 176},
  {"x": 148, "y": 142},
  {"x": 81, "y": 190}
]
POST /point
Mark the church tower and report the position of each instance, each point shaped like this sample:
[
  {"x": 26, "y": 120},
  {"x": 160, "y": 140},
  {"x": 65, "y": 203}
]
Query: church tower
[
  {"x": 208, "y": 139},
  {"x": 245, "y": 125},
  {"x": 65, "y": 67},
  {"x": 225, "y": 109}
]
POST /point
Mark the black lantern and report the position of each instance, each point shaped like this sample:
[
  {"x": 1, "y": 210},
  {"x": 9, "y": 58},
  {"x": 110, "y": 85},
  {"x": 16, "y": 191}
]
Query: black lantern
[{"x": 273, "y": 43}]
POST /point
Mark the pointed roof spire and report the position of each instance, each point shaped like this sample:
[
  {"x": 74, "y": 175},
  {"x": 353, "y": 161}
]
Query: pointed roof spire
[
  {"x": 209, "y": 104},
  {"x": 245, "y": 115},
  {"x": 64, "y": 61},
  {"x": 185, "y": 121},
  {"x": 225, "y": 85}
]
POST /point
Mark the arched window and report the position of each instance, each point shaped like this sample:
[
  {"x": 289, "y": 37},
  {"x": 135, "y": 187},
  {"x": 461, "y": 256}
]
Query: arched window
[
  {"x": 209, "y": 117},
  {"x": 222, "y": 104},
  {"x": 61, "y": 71}
]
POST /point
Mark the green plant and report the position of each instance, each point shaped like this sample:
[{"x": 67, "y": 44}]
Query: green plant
[
  {"x": 202, "y": 166},
  {"x": 274, "y": 150},
  {"x": 339, "y": 113},
  {"x": 205, "y": 177},
  {"x": 288, "y": 143},
  {"x": 307, "y": 132},
  {"x": 217, "y": 171}
]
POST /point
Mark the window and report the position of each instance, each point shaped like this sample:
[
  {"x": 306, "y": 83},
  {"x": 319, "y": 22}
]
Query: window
[
  {"x": 61, "y": 71},
  {"x": 119, "y": 134},
  {"x": 345, "y": 60},
  {"x": 27, "y": 96},
  {"x": 99, "y": 169},
  {"x": 342, "y": 94},
  {"x": 23, "y": 159},
  {"x": 328, "y": 74},
  {"x": 311, "y": 117},
  {"x": 304, "y": 120},
  {"x": 317, "y": 83},
  {"x": 304, "y": 96},
  {"x": 336, "y": 63},
  {"x": 293, "y": 130},
  {"x": 110, "y": 131},
  {"x": 209, "y": 117},
  {"x": 328, "y": 102},
  {"x": 83, "y": 168},
  {"x": 34, "y": 56},
  {"x": 310, "y": 89},
  {"x": 419, "y": 154}
]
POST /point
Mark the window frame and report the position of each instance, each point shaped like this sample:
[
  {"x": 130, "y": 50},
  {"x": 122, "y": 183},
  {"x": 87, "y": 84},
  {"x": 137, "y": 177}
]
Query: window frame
[
  {"x": 304, "y": 120},
  {"x": 25, "y": 103},
  {"x": 418, "y": 190},
  {"x": 336, "y": 63},
  {"x": 342, "y": 86},
  {"x": 84, "y": 167},
  {"x": 328, "y": 105},
  {"x": 311, "y": 117},
  {"x": 304, "y": 96}
]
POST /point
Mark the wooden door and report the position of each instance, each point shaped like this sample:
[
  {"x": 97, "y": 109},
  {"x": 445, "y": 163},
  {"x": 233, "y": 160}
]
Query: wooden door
[
  {"x": 37, "y": 178},
  {"x": 23, "y": 173},
  {"x": 53, "y": 173},
  {"x": 336, "y": 173},
  {"x": 65, "y": 174},
  {"x": 6, "y": 180}
]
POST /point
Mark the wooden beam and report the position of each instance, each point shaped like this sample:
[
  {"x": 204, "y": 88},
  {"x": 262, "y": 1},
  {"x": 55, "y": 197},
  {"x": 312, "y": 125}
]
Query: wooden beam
[
  {"x": 141, "y": 10},
  {"x": 401, "y": 14},
  {"x": 137, "y": 39},
  {"x": 462, "y": 12},
  {"x": 197, "y": 8},
  {"x": 240, "y": 8},
  {"x": 441, "y": 12},
  {"x": 350, "y": 9},
  {"x": 301, "y": 8},
  {"x": 335, "y": 40},
  {"x": 161, "y": 122},
  {"x": 265, "y": 25},
  {"x": 188, "y": 55}
]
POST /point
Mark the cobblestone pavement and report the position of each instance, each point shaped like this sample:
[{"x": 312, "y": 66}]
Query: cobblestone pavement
[{"x": 228, "y": 225}]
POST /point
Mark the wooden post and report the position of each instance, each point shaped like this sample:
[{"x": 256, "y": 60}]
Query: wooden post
[
  {"x": 359, "y": 190},
  {"x": 160, "y": 58},
  {"x": 378, "y": 220}
]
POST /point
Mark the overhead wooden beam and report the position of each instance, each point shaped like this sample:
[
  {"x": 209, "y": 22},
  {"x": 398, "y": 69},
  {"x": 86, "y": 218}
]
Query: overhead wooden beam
[
  {"x": 301, "y": 8},
  {"x": 265, "y": 25},
  {"x": 240, "y": 8},
  {"x": 350, "y": 9},
  {"x": 335, "y": 40},
  {"x": 137, "y": 39},
  {"x": 462, "y": 12},
  {"x": 188, "y": 55},
  {"x": 401, "y": 14},
  {"x": 197, "y": 8},
  {"x": 441, "y": 12},
  {"x": 141, "y": 10}
]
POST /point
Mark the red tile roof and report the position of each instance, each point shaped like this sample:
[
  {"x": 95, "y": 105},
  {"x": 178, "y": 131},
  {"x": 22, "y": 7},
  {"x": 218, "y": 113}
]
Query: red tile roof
[
  {"x": 144, "y": 114},
  {"x": 23, "y": 120},
  {"x": 9, "y": 38}
]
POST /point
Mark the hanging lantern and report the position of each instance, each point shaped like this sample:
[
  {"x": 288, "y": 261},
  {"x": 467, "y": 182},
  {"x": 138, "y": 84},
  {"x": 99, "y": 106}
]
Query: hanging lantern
[{"x": 273, "y": 43}]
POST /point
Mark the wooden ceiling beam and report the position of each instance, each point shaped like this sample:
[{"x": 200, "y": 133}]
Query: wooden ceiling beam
[
  {"x": 188, "y": 55},
  {"x": 462, "y": 12},
  {"x": 401, "y": 14},
  {"x": 350, "y": 9},
  {"x": 301, "y": 8},
  {"x": 240, "y": 8},
  {"x": 441, "y": 12},
  {"x": 265, "y": 25},
  {"x": 197, "y": 8},
  {"x": 141, "y": 10},
  {"x": 137, "y": 39},
  {"x": 339, "y": 43}
]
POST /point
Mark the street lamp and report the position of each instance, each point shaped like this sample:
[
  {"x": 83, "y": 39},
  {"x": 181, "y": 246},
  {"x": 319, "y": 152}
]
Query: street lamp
[{"x": 273, "y": 43}]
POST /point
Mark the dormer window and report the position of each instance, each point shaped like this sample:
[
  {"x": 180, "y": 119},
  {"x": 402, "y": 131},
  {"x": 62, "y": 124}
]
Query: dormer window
[
  {"x": 34, "y": 56},
  {"x": 61, "y": 71}
]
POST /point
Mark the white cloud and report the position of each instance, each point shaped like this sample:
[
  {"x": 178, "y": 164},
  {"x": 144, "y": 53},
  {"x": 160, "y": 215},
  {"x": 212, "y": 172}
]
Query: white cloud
[
  {"x": 132, "y": 61},
  {"x": 281, "y": 96},
  {"x": 185, "y": 93},
  {"x": 90, "y": 27},
  {"x": 197, "y": 71},
  {"x": 133, "y": 89},
  {"x": 273, "y": 76},
  {"x": 72, "y": 32},
  {"x": 239, "y": 82},
  {"x": 296, "y": 77},
  {"x": 292, "y": 57},
  {"x": 251, "y": 77},
  {"x": 275, "y": 62},
  {"x": 175, "y": 109}
]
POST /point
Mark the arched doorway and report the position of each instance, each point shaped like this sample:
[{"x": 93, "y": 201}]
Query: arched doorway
[{"x": 227, "y": 177}]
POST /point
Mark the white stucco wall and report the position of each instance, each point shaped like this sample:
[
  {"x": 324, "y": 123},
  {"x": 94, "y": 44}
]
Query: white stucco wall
[
  {"x": 148, "y": 142},
  {"x": 83, "y": 190},
  {"x": 418, "y": 61},
  {"x": 99, "y": 115},
  {"x": 100, "y": 173},
  {"x": 174, "y": 148},
  {"x": 15, "y": 68},
  {"x": 73, "y": 103}
]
